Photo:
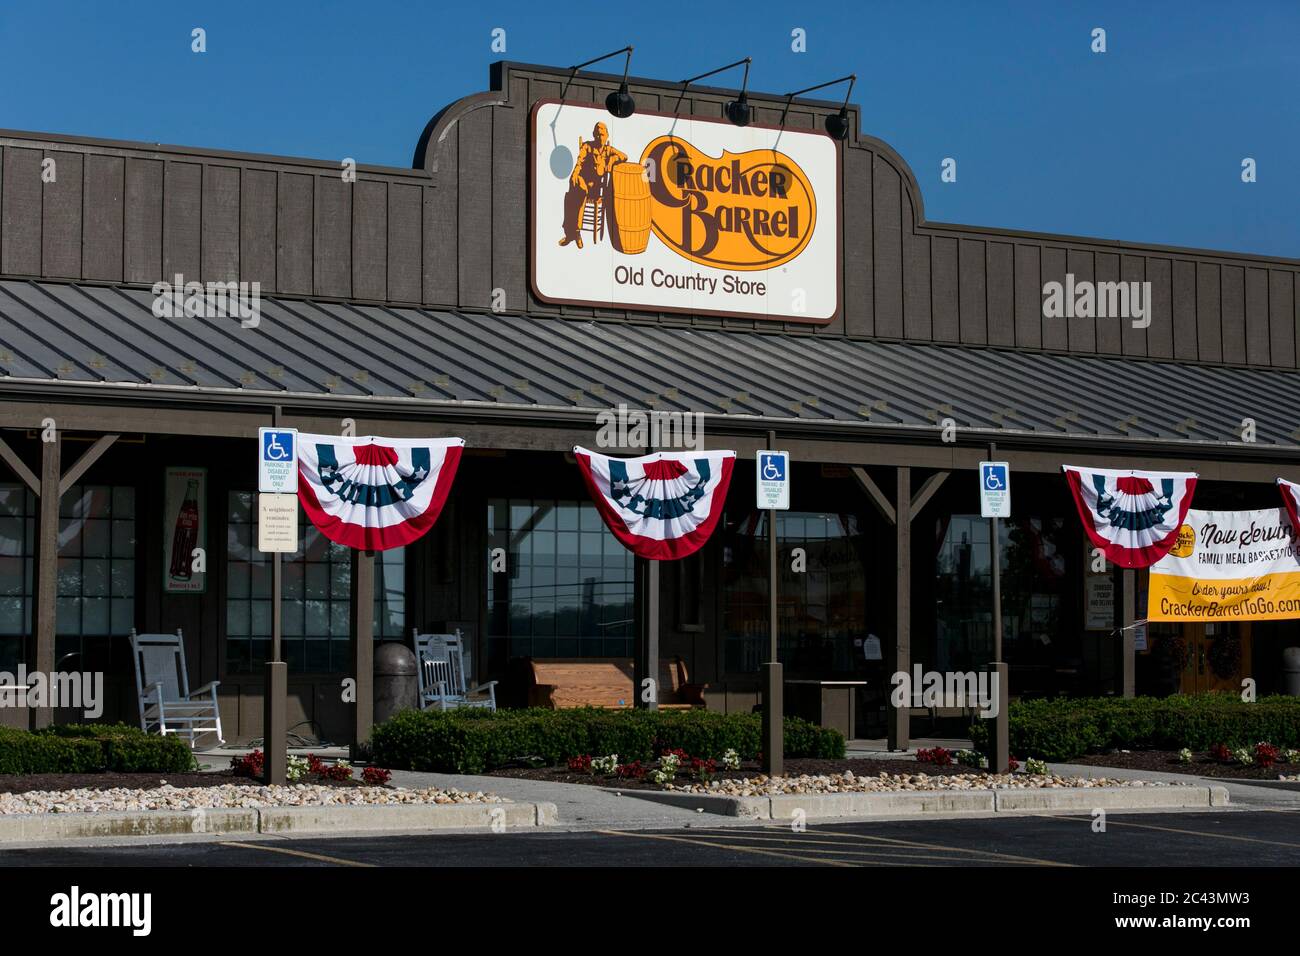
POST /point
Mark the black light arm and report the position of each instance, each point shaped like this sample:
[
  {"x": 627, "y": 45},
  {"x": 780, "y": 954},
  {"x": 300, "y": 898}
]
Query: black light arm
[
  {"x": 620, "y": 102},
  {"x": 838, "y": 124}
]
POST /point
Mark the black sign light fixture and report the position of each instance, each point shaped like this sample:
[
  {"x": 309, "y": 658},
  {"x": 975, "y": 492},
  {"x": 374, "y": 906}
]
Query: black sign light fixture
[
  {"x": 619, "y": 102},
  {"x": 738, "y": 110},
  {"x": 837, "y": 124}
]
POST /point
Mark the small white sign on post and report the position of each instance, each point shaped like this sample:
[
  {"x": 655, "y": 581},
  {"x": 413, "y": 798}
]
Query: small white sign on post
[
  {"x": 995, "y": 489},
  {"x": 277, "y": 461},
  {"x": 773, "y": 480},
  {"x": 277, "y": 522}
]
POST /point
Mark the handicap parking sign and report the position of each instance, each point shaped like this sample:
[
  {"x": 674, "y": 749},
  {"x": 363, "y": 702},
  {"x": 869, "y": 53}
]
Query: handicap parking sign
[
  {"x": 995, "y": 489},
  {"x": 277, "y": 462},
  {"x": 772, "y": 486}
]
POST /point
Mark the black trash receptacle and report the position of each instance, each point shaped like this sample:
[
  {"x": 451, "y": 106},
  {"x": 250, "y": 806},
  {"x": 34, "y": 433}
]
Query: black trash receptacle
[{"x": 396, "y": 686}]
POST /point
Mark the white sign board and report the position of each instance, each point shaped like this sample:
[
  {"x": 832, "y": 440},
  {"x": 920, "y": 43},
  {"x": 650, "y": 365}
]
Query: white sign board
[
  {"x": 683, "y": 214},
  {"x": 277, "y": 461},
  {"x": 995, "y": 489},
  {"x": 772, "y": 484},
  {"x": 277, "y": 523}
]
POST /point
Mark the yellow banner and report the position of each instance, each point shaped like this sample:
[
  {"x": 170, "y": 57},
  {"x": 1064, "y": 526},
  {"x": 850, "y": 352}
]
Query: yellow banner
[
  {"x": 1228, "y": 566},
  {"x": 1273, "y": 597}
]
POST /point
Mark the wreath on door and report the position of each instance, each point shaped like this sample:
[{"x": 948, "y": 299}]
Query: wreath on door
[
  {"x": 1224, "y": 656},
  {"x": 1173, "y": 650}
]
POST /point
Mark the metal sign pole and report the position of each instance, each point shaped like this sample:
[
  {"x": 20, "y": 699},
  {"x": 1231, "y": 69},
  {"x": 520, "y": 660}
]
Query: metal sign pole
[
  {"x": 999, "y": 754},
  {"x": 773, "y": 704},
  {"x": 275, "y": 734}
]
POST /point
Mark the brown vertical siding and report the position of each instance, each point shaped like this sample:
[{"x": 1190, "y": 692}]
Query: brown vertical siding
[
  {"x": 257, "y": 219},
  {"x": 449, "y": 231},
  {"x": 221, "y": 238},
  {"x": 142, "y": 239},
  {"x": 105, "y": 190},
  {"x": 20, "y": 212}
]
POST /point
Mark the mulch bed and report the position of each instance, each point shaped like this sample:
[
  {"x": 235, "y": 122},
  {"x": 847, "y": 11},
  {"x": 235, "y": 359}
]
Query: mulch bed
[
  {"x": 1201, "y": 765},
  {"x": 26, "y": 783},
  {"x": 861, "y": 767}
]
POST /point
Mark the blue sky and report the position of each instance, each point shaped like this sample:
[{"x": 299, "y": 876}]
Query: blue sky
[{"x": 1142, "y": 143}]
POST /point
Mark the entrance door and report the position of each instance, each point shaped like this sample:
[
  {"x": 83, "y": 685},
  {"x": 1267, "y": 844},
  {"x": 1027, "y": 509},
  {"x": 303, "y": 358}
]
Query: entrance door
[{"x": 1219, "y": 657}]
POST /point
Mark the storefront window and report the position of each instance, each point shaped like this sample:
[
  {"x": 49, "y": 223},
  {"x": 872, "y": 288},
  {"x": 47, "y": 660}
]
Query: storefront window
[
  {"x": 821, "y": 592},
  {"x": 560, "y": 586},
  {"x": 95, "y": 596},
  {"x": 1032, "y": 567},
  {"x": 316, "y": 597}
]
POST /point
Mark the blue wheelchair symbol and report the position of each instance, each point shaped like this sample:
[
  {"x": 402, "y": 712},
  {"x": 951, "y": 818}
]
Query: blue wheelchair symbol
[
  {"x": 773, "y": 467},
  {"x": 277, "y": 446},
  {"x": 995, "y": 477}
]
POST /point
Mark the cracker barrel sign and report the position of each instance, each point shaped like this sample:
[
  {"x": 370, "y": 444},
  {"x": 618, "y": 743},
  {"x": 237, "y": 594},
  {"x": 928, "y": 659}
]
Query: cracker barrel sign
[{"x": 680, "y": 214}]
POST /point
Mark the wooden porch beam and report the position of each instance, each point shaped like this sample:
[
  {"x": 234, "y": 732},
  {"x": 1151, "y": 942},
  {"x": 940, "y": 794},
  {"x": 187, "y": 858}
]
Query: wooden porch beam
[
  {"x": 88, "y": 458},
  {"x": 875, "y": 494},
  {"x": 928, "y": 488},
  {"x": 19, "y": 467}
]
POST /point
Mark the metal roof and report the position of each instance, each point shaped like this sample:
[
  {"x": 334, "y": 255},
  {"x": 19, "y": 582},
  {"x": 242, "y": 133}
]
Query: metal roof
[{"x": 107, "y": 337}]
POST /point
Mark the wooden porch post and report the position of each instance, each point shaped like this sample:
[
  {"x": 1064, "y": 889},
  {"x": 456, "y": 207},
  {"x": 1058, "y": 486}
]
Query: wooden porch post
[
  {"x": 363, "y": 643},
  {"x": 1128, "y": 653},
  {"x": 46, "y": 567},
  {"x": 900, "y": 718}
]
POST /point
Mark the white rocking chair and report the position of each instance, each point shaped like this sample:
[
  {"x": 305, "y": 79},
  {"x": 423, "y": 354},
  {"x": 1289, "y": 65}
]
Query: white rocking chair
[
  {"x": 441, "y": 667},
  {"x": 167, "y": 704}
]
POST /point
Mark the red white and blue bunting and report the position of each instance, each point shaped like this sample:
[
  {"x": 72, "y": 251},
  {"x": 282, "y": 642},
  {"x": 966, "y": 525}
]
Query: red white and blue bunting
[
  {"x": 1291, "y": 501},
  {"x": 662, "y": 506},
  {"x": 375, "y": 493},
  {"x": 1133, "y": 516}
]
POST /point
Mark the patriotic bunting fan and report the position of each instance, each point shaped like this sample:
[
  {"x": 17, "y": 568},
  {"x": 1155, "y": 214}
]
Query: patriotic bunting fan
[
  {"x": 662, "y": 506},
  {"x": 1133, "y": 516},
  {"x": 375, "y": 493},
  {"x": 1290, "y": 499}
]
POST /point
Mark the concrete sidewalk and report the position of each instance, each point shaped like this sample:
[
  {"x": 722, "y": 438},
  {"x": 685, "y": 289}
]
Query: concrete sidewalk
[
  {"x": 1243, "y": 794},
  {"x": 579, "y": 806}
]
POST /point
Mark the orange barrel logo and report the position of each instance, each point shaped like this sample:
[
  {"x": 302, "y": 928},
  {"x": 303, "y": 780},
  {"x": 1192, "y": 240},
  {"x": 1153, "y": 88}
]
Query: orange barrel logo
[
  {"x": 743, "y": 211},
  {"x": 1186, "y": 542},
  {"x": 631, "y": 223}
]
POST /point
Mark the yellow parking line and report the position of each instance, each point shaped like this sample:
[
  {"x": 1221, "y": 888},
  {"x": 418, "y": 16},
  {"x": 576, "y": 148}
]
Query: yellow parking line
[
  {"x": 1152, "y": 826},
  {"x": 724, "y": 846},
  {"x": 840, "y": 844},
  {"x": 944, "y": 848},
  {"x": 302, "y": 853}
]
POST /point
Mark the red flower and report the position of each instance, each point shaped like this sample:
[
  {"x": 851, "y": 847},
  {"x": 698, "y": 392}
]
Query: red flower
[
  {"x": 1266, "y": 754},
  {"x": 1221, "y": 753},
  {"x": 580, "y": 764},
  {"x": 376, "y": 776},
  {"x": 250, "y": 765}
]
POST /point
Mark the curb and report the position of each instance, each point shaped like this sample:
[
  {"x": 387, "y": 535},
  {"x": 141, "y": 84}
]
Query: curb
[
  {"x": 920, "y": 803},
  {"x": 47, "y": 827}
]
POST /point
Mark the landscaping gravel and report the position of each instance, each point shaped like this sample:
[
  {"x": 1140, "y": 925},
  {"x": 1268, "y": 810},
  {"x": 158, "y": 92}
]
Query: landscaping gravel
[
  {"x": 848, "y": 782},
  {"x": 87, "y": 800}
]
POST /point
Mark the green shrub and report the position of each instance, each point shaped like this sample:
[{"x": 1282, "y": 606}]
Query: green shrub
[
  {"x": 472, "y": 741},
  {"x": 91, "y": 748},
  {"x": 1063, "y": 728}
]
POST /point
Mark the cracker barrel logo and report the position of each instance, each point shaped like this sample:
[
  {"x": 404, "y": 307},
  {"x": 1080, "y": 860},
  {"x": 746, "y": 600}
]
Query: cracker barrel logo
[
  {"x": 743, "y": 211},
  {"x": 1186, "y": 542}
]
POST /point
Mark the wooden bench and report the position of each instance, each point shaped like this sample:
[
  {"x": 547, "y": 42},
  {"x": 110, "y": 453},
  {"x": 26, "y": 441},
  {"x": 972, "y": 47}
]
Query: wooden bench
[{"x": 605, "y": 682}]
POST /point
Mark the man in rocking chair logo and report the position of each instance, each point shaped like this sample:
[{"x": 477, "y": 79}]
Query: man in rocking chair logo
[{"x": 596, "y": 158}]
